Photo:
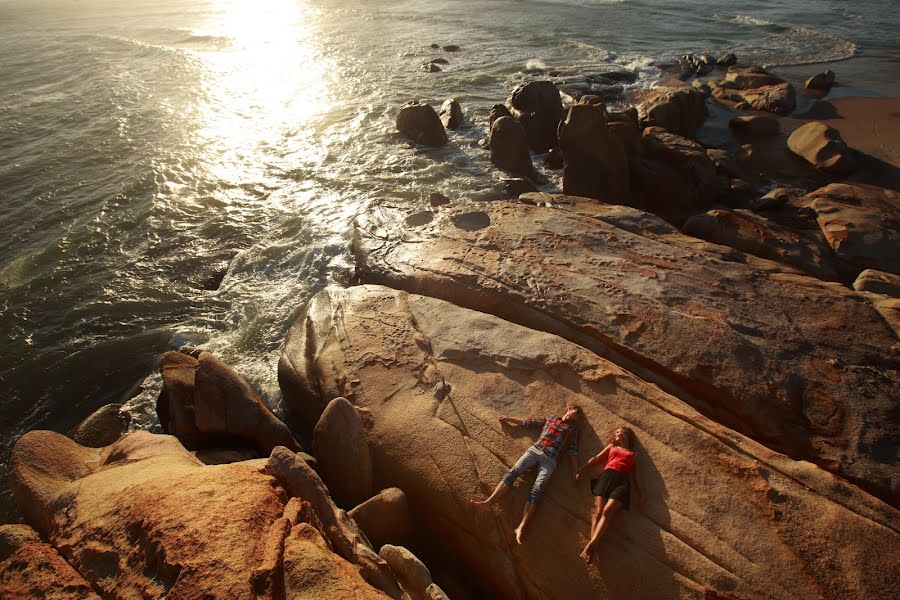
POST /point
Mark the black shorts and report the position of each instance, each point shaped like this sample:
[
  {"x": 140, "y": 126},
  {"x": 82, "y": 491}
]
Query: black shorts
[{"x": 612, "y": 484}]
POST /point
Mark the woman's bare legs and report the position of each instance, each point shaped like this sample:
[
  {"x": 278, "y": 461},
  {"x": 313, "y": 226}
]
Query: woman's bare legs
[
  {"x": 599, "y": 503},
  {"x": 611, "y": 507}
]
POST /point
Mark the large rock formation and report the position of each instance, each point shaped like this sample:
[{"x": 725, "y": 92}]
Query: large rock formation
[
  {"x": 758, "y": 88},
  {"x": 144, "y": 518},
  {"x": 822, "y": 147},
  {"x": 680, "y": 110},
  {"x": 29, "y": 568},
  {"x": 596, "y": 165},
  {"x": 538, "y": 107},
  {"x": 204, "y": 403},
  {"x": 797, "y": 363},
  {"x": 340, "y": 445},
  {"x": 433, "y": 377},
  {"x": 509, "y": 146}
]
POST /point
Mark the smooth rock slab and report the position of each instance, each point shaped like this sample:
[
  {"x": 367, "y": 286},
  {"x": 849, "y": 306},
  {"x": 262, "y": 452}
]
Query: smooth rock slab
[
  {"x": 799, "y": 364},
  {"x": 433, "y": 378}
]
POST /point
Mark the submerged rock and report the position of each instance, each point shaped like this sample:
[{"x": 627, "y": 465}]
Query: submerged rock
[
  {"x": 822, "y": 147},
  {"x": 451, "y": 114},
  {"x": 619, "y": 281},
  {"x": 777, "y": 521},
  {"x": 421, "y": 124}
]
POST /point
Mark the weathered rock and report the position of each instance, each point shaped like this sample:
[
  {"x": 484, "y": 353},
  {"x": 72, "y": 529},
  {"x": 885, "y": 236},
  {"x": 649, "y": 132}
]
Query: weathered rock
[
  {"x": 758, "y": 88},
  {"x": 618, "y": 280},
  {"x": 861, "y": 224},
  {"x": 206, "y": 403},
  {"x": 451, "y": 114},
  {"x": 414, "y": 575},
  {"x": 440, "y": 61},
  {"x": 773, "y": 199},
  {"x": 509, "y": 146},
  {"x": 517, "y": 186},
  {"x": 497, "y": 111},
  {"x": 822, "y": 147},
  {"x": 103, "y": 427},
  {"x": 702, "y": 87},
  {"x": 595, "y": 162},
  {"x": 756, "y": 125},
  {"x": 878, "y": 282},
  {"x": 430, "y": 67},
  {"x": 341, "y": 447},
  {"x": 821, "y": 82},
  {"x": 727, "y": 60},
  {"x": 384, "y": 518},
  {"x": 756, "y": 235},
  {"x": 434, "y": 592},
  {"x": 421, "y": 124},
  {"x": 538, "y": 107},
  {"x": 30, "y": 568},
  {"x": 767, "y": 528},
  {"x": 725, "y": 163},
  {"x": 681, "y": 110},
  {"x": 436, "y": 199}
]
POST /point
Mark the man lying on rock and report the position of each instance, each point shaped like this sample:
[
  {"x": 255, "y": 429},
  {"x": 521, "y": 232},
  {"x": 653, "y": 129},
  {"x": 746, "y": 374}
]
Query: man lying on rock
[{"x": 557, "y": 433}]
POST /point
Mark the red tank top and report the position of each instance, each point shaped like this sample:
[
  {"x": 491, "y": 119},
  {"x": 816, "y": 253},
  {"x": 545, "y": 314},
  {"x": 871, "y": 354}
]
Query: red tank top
[{"x": 620, "y": 459}]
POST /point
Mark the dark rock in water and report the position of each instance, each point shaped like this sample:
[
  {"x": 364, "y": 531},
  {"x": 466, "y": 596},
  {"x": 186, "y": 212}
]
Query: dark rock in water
[
  {"x": 620, "y": 76},
  {"x": 727, "y": 60},
  {"x": 435, "y": 46},
  {"x": 823, "y": 147},
  {"x": 497, "y": 111},
  {"x": 103, "y": 427},
  {"x": 516, "y": 187},
  {"x": 538, "y": 107},
  {"x": 431, "y": 68},
  {"x": 451, "y": 48},
  {"x": 681, "y": 110},
  {"x": 756, "y": 125},
  {"x": 437, "y": 199},
  {"x": 421, "y": 124},
  {"x": 439, "y": 61},
  {"x": 821, "y": 82},
  {"x": 509, "y": 146},
  {"x": 451, "y": 114},
  {"x": 596, "y": 165},
  {"x": 554, "y": 159}
]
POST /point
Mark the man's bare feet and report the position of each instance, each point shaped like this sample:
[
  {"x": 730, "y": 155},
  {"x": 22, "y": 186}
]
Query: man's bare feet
[
  {"x": 520, "y": 531},
  {"x": 479, "y": 504},
  {"x": 587, "y": 554}
]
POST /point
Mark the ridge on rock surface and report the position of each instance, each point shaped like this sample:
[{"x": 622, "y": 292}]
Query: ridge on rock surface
[
  {"x": 802, "y": 365},
  {"x": 723, "y": 513}
]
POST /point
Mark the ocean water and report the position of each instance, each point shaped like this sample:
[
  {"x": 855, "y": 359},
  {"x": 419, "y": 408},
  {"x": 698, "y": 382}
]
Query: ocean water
[{"x": 146, "y": 146}]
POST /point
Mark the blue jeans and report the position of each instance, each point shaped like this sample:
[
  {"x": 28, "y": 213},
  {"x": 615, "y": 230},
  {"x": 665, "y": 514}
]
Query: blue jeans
[{"x": 532, "y": 457}]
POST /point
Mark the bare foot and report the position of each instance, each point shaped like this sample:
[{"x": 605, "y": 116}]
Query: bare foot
[
  {"x": 519, "y": 533},
  {"x": 587, "y": 554},
  {"x": 479, "y": 504}
]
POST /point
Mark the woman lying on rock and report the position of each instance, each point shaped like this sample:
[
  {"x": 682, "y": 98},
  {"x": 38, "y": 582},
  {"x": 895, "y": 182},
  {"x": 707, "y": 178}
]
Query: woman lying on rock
[
  {"x": 612, "y": 489},
  {"x": 556, "y": 434}
]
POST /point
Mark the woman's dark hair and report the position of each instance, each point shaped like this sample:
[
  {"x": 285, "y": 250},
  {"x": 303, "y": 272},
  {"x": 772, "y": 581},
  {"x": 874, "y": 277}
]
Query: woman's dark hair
[{"x": 629, "y": 435}]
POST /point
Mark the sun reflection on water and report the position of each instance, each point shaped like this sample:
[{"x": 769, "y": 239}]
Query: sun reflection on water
[{"x": 268, "y": 83}]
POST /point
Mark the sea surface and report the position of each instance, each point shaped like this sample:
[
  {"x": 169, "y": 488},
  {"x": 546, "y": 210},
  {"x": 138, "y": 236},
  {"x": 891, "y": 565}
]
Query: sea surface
[{"x": 148, "y": 147}]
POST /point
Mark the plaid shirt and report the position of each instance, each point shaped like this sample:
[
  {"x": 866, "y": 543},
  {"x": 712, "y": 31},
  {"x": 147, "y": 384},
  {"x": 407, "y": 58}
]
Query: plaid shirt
[{"x": 554, "y": 435}]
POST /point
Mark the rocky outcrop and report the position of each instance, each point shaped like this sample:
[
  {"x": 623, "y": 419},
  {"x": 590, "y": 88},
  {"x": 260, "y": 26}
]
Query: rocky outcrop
[
  {"x": 205, "y": 403},
  {"x": 861, "y": 224},
  {"x": 30, "y": 568},
  {"x": 342, "y": 450},
  {"x": 753, "y": 234},
  {"x": 419, "y": 123},
  {"x": 385, "y": 518},
  {"x": 595, "y": 163},
  {"x": 822, "y": 147},
  {"x": 538, "y": 107},
  {"x": 680, "y": 110},
  {"x": 758, "y": 88},
  {"x": 451, "y": 114},
  {"x": 433, "y": 377},
  {"x": 509, "y": 146},
  {"x": 144, "y": 518},
  {"x": 622, "y": 282}
]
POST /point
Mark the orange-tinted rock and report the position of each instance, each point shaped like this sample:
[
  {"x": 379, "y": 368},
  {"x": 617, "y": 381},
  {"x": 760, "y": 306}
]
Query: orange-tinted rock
[
  {"x": 822, "y": 147},
  {"x": 681, "y": 110},
  {"x": 342, "y": 450},
  {"x": 757, "y": 235},
  {"x": 795, "y": 362},
  {"x": 758, "y": 88},
  {"x": 433, "y": 378},
  {"x": 384, "y": 518},
  {"x": 878, "y": 282}
]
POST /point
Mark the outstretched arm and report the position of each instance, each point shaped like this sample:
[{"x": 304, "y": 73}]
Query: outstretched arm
[
  {"x": 596, "y": 460},
  {"x": 513, "y": 421}
]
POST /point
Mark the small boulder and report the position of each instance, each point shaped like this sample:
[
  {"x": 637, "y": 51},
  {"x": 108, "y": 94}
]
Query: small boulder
[
  {"x": 509, "y": 146},
  {"x": 878, "y": 282},
  {"x": 758, "y": 88},
  {"x": 821, "y": 82},
  {"x": 451, "y": 114},
  {"x": 419, "y": 123},
  {"x": 384, "y": 518},
  {"x": 727, "y": 60},
  {"x": 430, "y": 67},
  {"x": 413, "y": 574},
  {"x": 451, "y": 48},
  {"x": 341, "y": 446},
  {"x": 103, "y": 427},
  {"x": 435, "y": 46},
  {"x": 681, "y": 110},
  {"x": 773, "y": 199},
  {"x": 756, "y": 125},
  {"x": 497, "y": 111},
  {"x": 554, "y": 159},
  {"x": 438, "y": 199},
  {"x": 538, "y": 107},
  {"x": 515, "y": 187},
  {"x": 440, "y": 61},
  {"x": 822, "y": 147}
]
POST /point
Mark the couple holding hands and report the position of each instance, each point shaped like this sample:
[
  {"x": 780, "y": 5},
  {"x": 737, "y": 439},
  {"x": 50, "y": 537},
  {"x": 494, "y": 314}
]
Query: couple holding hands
[{"x": 612, "y": 489}]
